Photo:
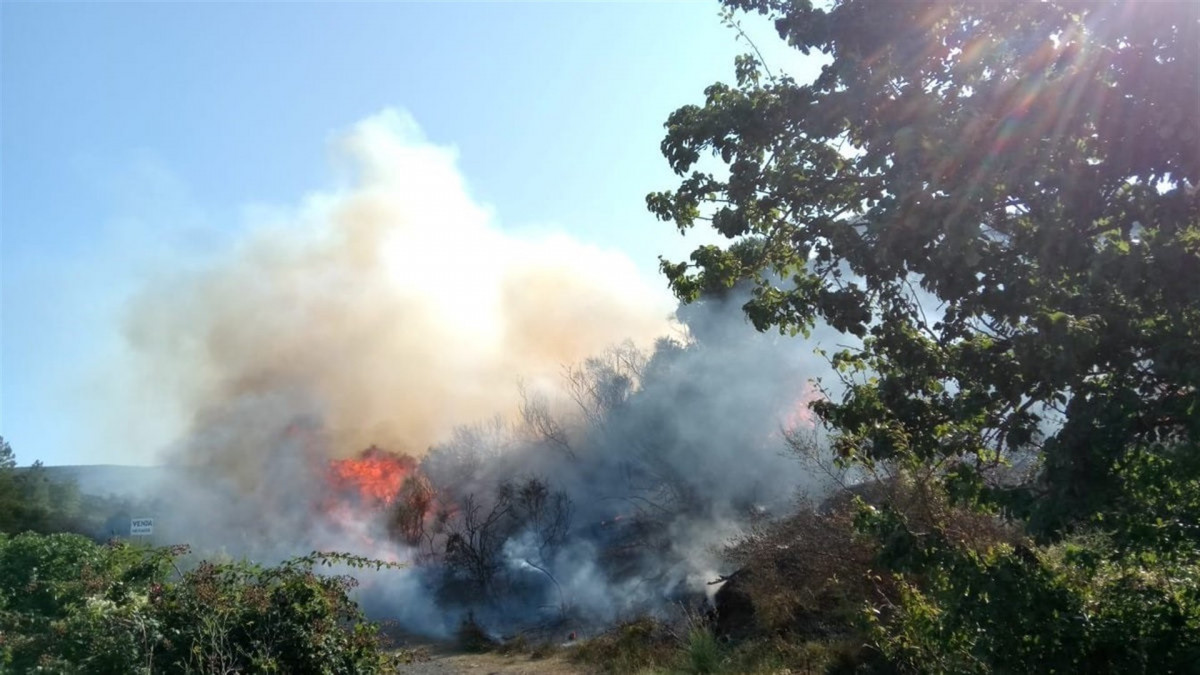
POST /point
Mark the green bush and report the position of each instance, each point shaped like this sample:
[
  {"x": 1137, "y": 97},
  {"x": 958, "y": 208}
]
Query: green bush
[
  {"x": 701, "y": 652},
  {"x": 69, "y": 605},
  {"x": 1078, "y": 606}
]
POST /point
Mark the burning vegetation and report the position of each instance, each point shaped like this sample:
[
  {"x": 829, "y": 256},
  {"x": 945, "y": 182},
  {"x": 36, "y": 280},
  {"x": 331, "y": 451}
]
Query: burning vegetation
[
  {"x": 376, "y": 477},
  {"x": 336, "y": 393},
  {"x": 607, "y": 495}
]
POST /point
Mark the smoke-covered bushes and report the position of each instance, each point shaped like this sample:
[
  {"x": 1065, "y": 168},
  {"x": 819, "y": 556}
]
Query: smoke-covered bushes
[
  {"x": 69, "y": 605},
  {"x": 477, "y": 537},
  {"x": 613, "y": 493}
]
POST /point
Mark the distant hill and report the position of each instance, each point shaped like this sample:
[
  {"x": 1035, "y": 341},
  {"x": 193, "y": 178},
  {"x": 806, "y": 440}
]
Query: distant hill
[{"x": 114, "y": 480}]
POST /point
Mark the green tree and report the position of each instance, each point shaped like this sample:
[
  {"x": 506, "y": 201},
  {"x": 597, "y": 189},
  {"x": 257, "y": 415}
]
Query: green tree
[
  {"x": 10, "y": 501},
  {"x": 8, "y": 459},
  {"x": 1000, "y": 199},
  {"x": 1031, "y": 166},
  {"x": 30, "y": 500}
]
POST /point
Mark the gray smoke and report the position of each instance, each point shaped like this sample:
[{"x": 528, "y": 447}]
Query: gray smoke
[{"x": 669, "y": 454}]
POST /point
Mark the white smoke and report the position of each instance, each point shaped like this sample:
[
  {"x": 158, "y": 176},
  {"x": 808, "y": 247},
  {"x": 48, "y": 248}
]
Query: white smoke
[{"x": 391, "y": 309}]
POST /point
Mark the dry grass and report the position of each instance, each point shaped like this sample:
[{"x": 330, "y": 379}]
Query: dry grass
[
  {"x": 638, "y": 646},
  {"x": 805, "y": 574},
  {"x": 648, "y": 646},
  {"x": 809, "y": 575}
]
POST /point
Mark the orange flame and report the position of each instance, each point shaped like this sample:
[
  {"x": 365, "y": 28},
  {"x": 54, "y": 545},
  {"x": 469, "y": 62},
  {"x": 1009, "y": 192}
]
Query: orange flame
[
  {"x": 375, "y": 477},
  {"x": 380, "y": 499},
  {"x": 800, "y": 416}
]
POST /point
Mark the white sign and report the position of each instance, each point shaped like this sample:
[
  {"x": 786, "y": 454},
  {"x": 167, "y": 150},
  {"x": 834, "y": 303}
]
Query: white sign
[{"x": 141, "y": 526}]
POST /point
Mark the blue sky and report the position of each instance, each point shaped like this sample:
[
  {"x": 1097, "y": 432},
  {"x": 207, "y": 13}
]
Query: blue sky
[{"x": 134, "y": 132}]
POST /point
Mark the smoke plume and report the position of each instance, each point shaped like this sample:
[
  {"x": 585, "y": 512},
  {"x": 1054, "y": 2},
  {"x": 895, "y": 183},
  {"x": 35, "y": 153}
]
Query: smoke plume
[
  {"x": 391, "y": 310},
  {"x": 546, "y": 452}
]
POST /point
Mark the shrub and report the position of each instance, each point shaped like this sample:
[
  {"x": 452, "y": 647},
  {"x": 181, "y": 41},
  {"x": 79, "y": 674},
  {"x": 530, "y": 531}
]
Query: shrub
[
  {"x": 75, "y": 606},
  {"x": 631, "y": 647},
  {"x": 701, "y": 652},
  {"x": 70, "y": 605},
  {"x": 806, "y": 574},
  {"x": 246, "y": 617},
  {"x": 1078, "y": 606}
]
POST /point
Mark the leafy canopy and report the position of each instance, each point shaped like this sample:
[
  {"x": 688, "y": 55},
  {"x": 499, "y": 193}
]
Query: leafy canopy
[{"x": 1000, "y": 199}]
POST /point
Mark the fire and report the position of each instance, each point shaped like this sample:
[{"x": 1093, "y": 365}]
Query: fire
[
  {"x": 375, "y": 477},
  {"x": 362, "y": 492},
  {"x": 378, "y": 501},
  {"x": 800, "y": 416}
]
